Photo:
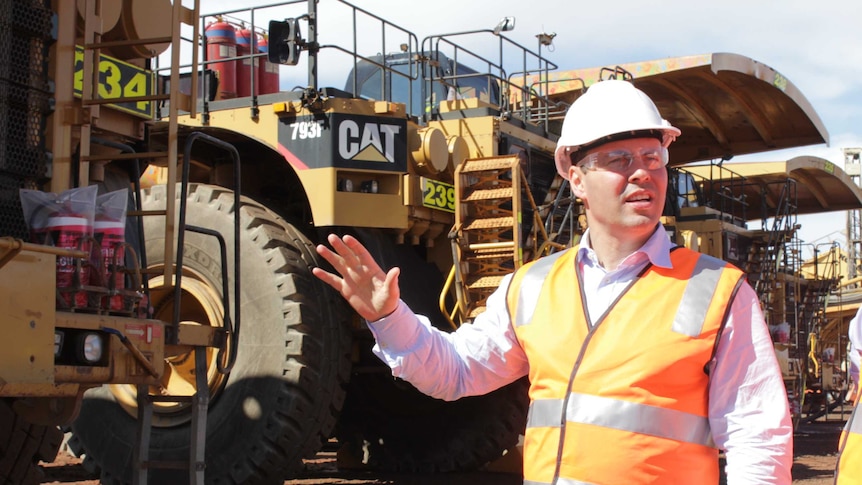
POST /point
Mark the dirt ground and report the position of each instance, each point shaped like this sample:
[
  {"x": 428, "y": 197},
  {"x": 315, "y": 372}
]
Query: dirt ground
[
  {"x": 814, "y": 461},
  {"x": 815, "y": 452}
]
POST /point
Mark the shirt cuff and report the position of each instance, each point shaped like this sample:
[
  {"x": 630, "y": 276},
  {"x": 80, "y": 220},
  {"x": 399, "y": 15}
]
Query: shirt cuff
[{"x": 394, "y": 333}]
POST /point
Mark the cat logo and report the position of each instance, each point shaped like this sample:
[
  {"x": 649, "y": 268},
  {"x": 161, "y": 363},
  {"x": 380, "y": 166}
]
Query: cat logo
[{"x": 367, "y": 142}]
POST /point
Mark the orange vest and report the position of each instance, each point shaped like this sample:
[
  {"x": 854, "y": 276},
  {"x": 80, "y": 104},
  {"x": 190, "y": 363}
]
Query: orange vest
[
  {"x": 849, "y": 471},
  {"x": 625, "y": 401}
]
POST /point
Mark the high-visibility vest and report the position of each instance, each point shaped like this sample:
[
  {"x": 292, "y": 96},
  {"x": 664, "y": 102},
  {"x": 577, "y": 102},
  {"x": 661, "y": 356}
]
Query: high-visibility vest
[
  {"x": 849, "y": 469},
  {"x": 626, "y": 400}
]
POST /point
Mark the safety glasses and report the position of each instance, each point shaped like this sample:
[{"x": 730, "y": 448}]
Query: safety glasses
[{"x": 620, "y": 160}]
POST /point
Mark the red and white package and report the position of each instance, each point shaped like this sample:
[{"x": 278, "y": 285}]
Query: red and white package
[
  {"x": 109, "y": 230},
  {"x": 63, "y": 220}
]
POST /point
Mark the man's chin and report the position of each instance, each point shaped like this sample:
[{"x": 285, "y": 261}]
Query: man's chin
[{"x": 639, "y": 225}]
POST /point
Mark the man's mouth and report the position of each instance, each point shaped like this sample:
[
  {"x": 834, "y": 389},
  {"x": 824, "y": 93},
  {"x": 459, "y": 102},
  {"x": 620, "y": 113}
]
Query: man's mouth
[{"x": 639, "y": 198}]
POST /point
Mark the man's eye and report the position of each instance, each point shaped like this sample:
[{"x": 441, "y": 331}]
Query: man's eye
[
  {"x": 652, "y": 158},
  {"x": 617, "y": 161}
]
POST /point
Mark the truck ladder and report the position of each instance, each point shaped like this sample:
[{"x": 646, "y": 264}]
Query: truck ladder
[
  {"x": 91, "y": 103},
  {"x": 561, "y": 221},
  {"x": 758, "y": 264},
  {"x": 813, "y": 316},
  {"x": 767, "y": 253},
  {"x": 814, "y": 296},
  {"x": 200, "y": 398},
  {"x": 497, "y": 229},
  {"x": 816, "y": 291}
]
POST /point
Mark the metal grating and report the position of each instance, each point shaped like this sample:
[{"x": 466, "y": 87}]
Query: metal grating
[
  {"x": 26, "y": 32},
  {"x": 11, "y": 215},
  {"x": 22, "y": 130}
]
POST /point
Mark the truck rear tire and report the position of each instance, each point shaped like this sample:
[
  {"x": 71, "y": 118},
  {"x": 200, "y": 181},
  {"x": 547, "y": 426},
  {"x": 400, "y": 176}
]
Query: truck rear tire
[
  {"x": 280, "y": 402},
  {"x": 394, "y": 427},
  {"x": 388, "y": 424},
  {"x": 23, "y": 445}
]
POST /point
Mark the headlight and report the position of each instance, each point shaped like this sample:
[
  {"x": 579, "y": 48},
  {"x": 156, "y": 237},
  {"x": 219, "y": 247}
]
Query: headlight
[
  {"x": 58, "y": 343},
  {"x": 369, "y": 187},
  {"x": 90, "y": 347}
]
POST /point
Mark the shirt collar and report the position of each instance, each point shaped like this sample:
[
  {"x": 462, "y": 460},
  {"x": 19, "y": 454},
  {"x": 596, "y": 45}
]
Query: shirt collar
[{"x": 657, "y": 248}]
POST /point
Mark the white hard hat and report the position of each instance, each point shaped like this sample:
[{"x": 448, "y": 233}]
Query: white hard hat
[{"x": 609, "y": 110}]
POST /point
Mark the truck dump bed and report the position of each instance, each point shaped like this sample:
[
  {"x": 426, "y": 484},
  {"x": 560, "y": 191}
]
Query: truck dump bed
[
  {"x": 821, "y": 186},
  {"x": 725, "y": 104}
]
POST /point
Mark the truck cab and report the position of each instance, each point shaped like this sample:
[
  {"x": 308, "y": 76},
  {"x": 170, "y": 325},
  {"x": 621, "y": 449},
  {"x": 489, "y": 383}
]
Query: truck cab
[{"x": 405, "y": 82}]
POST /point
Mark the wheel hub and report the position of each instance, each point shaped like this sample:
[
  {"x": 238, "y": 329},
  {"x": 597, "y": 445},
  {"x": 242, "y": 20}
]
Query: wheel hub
[{"x": 201, "y": 303}]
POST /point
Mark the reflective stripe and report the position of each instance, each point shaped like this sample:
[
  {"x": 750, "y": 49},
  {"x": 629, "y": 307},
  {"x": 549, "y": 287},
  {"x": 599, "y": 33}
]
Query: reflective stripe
[
  {"x": 545, "y": 413},
  {"x": 623, "y": 415},
  {"x": 698, "y": 294},
  {"x": 569, "y": 481},
  {"x": 560, "y": 481},
  {"x": 854, "y": 425},
  {"x": 531, "y": 286}
]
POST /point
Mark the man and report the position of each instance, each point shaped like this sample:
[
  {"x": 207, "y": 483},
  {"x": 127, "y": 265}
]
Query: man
[
  {"x": 849, "y": 469},
  {"x": 644, "y": 360}
]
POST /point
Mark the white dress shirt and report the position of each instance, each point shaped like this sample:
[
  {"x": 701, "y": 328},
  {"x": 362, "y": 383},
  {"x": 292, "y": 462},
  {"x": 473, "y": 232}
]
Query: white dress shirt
[
  {"x": 748, "y": 408},
  {"x": 855, "y": 334}
]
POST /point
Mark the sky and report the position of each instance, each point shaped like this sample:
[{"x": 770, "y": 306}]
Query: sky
[{"x": 816, "y": 45}]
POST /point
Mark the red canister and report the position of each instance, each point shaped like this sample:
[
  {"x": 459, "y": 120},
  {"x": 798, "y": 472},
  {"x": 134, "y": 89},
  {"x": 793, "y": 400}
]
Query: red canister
[
  {"x": 70, "y": 231},
  {"x": 246, "y": 45},
  {"x": 267, "y": 71},
  {"x": 111, "y": 235},
  {"x": 221, "y": 44}
]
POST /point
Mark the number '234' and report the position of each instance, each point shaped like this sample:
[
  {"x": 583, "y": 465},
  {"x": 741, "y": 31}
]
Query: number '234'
[{"x": 112, "y": 81}]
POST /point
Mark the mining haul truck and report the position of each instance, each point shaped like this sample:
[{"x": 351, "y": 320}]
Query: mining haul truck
[{"x": 162, "y": 196}]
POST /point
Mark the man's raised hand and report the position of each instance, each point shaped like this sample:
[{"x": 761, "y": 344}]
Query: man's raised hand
[{"x": 360, "y": 280}]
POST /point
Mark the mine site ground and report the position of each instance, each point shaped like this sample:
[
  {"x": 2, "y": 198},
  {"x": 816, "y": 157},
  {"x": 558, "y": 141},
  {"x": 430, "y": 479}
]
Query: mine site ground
[{"x": 814, "y": 459}]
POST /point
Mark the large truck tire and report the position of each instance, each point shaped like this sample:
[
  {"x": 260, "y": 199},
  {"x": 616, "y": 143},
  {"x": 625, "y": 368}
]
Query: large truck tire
[
  {"x": 280, "y": 402},
  {"x": 23, "y": 445},
  {"x": 388, "y": 424}
]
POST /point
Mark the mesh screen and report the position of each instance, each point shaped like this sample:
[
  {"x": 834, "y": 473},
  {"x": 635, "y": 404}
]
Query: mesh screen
[
  {"x": 11, "y": 215},
  {"x": 22, "y": 130},
  {"x": 26, "y": 33}
]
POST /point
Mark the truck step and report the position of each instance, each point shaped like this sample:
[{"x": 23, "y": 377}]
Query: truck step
[
  {"x": 483, "y": 164},
  {"x": 490, "y": 194},
  {"x": 489, "y": 223},
  {"x": 484, "y": 282}
]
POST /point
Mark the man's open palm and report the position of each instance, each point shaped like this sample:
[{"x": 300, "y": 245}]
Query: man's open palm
[{"x": 360, "y": 280}]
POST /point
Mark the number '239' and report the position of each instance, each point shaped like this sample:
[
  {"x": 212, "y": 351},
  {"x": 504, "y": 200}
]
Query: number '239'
[{"x": 438, "y": 195}]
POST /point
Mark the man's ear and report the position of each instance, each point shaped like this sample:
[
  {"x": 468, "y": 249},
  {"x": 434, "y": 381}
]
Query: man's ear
[{"x": 576, "y": 181}]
